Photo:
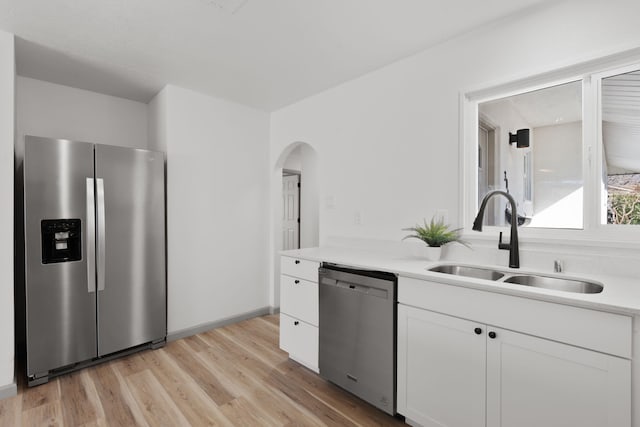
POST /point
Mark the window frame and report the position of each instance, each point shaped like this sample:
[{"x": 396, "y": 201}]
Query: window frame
[
  {"x": 600, "y": 170},
  {"x": 590, "y": 74},
  {"x": 527, "y": 167}
]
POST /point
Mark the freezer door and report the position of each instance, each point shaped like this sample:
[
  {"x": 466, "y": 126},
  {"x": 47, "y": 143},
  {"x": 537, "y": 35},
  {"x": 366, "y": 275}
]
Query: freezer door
[
  {"x": 130, "y": 248},
  {"x": 60, "y": 296}
]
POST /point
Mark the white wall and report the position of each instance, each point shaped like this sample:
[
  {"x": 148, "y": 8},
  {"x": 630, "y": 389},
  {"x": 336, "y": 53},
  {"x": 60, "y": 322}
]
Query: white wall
[
  {"x": 7, "y": 77},
  {"x": 52, "y": 110},
  {"x": 157, "y": 122},
  {"x": 309, "y": 198},
  {"x": 218, "y": 205},
  {"x": 388, "y": 141},
  {"x": 293, "y": 160}
]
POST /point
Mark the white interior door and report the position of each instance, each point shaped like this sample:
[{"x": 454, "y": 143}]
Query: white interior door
[{"x": 290, "y": 212}]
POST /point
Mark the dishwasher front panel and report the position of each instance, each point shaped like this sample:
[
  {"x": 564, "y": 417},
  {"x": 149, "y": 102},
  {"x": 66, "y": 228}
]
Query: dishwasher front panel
[{"x": 357, "y": 343}]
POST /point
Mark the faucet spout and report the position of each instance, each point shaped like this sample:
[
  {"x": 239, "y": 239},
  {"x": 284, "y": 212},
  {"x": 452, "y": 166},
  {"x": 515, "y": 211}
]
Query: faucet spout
[{"x": 512, "y": 246}]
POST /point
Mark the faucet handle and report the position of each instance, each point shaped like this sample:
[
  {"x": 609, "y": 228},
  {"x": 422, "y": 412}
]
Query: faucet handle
[
  {"x": 558, "y": 266},
  {"x": 506, "y": 246}
]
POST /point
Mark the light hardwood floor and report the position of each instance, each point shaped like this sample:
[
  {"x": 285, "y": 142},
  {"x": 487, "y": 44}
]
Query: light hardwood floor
[{"x": 231, "y": 376}]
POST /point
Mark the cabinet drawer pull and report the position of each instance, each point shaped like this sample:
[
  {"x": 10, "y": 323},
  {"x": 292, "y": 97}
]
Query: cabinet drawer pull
[
  {"x": 492, "y": 335},
  {"x": 297, "y": 261},
  {"x": 296, "y": 281},
  {"x": 295, "y": 322},
  {"x": 478, "y": 331}
]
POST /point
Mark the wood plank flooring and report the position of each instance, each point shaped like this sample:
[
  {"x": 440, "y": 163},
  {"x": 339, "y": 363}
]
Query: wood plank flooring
[{"x": 231, "y": 376}]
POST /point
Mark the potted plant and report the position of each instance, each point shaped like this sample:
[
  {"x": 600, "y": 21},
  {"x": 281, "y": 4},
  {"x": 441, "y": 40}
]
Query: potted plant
[{"x": 435, "y": 234}]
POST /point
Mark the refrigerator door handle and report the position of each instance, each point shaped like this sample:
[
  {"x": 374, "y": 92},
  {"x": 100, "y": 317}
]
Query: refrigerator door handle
[
  {"x": 101, "y": 233},
  {"x": 91, "y": 237}
]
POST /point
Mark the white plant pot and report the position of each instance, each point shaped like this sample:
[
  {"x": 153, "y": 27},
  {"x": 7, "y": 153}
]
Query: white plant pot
[{"x": 433, "y": 253}]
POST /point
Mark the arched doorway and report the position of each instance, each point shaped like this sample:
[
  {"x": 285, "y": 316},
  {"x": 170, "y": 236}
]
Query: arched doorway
[{"x": 298, "y": 163}]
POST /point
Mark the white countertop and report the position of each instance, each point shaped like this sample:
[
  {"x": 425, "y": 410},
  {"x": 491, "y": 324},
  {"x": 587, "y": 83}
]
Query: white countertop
[{"x": 620, "y": 295}]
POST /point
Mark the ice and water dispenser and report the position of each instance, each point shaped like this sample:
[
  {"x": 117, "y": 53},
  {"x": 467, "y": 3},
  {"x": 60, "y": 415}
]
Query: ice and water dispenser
[{"x": 61, "y": 240}]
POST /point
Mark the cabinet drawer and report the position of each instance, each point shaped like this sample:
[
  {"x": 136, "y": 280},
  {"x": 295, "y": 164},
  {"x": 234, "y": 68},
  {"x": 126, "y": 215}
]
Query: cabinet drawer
[
  {"x": 299, "y": 299},
  {"x": 300, "y": 340},
  {"x": 605, "y": 332},
  {"x": 300, "y": 268}
]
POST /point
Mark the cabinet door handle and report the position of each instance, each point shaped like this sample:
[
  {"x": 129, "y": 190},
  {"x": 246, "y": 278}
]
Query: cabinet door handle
[
  {"x": 492, "y": 335},
  {"x": 295, "y": 322},
  {"x": 297, "y": 261},
  {"x": 478, "y": 331},
  {"x": 296, "y": 281}
]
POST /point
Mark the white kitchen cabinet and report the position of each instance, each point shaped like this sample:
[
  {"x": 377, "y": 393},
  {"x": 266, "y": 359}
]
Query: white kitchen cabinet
[
  {"x": 299, "y": 299},
  {"x": 534, "y": 382},
  {"x": 301, "y": 268},
  {"x": 300, "y": 340},
  {"x": 457, "y": 373},
  {"x": 299, "y": 310},
  {"x": 441, "y": 369}
]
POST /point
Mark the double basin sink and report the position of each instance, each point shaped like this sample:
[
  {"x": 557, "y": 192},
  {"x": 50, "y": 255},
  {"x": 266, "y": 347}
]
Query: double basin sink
[{"x": 534, "y": 280}]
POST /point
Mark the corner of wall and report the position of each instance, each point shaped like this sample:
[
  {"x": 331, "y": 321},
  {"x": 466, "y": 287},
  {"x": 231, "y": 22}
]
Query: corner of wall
[
  {"x": 7, "y": 130},
  {"x": 157, "y": 121}
]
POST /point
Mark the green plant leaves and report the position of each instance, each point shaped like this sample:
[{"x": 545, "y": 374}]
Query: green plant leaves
[
  {"x": 624, "y": 208},
  {"x": 436, "y": 233}
]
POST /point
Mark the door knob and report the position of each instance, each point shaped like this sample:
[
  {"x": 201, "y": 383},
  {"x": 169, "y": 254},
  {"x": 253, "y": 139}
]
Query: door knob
[
  {"x": 295, "y": 322},
  {"x": 478, "y": 331},
  {"x": 296, "y": 281},
  {"x": 492, "y": 335},
  {"x": 297, "y": 261}
]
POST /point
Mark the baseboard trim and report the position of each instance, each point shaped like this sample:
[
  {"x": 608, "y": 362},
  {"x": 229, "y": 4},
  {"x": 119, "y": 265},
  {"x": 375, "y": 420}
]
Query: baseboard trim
[
  {"x": 8, "y": 390},
  {"x": 274, "y": 310},
  {"x": 203, "y": 327}
]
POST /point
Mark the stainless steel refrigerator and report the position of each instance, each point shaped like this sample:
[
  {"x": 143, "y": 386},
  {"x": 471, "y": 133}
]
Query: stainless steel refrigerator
[{"x": 95, "y": 276}]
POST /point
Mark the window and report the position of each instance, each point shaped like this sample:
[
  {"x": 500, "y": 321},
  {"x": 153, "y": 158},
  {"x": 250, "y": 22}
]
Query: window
[
  {"x": 620, "y": 124},
  {"x": 545, "y": 124},
  {"x": 567, "y": 148}
]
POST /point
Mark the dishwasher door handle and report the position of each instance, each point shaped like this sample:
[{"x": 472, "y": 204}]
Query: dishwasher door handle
[
  {"x": 342, "y": 284},
  {"x": 352, "y": 287}
]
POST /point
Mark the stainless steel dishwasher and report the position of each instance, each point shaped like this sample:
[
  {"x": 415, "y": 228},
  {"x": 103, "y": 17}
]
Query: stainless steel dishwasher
[{"x": 358, "y": 333}]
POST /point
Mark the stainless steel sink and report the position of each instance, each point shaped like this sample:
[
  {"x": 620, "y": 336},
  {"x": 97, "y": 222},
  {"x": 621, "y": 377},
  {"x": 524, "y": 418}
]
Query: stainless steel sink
[
  {"x": 462, "y": 270},
  {"x": 556, "y": 283},
  {"x": 533, "y": 280}
]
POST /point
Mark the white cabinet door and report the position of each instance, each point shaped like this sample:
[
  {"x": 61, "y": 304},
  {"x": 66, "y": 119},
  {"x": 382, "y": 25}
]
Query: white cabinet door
[
  {"x": 300, "y": 340},
  {"x": 299, "y": 298},
  {"x": 441, "y": 369},
  {"x": 533, "y": 382},
  {"x": 301, "y": 268}
]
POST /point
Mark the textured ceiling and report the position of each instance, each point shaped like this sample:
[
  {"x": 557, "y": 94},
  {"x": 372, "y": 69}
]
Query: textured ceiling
[
  {"x": 550, "y": 106},
  {"x": 262, "y": 53},
  {"x": 621, "y": 117}
]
